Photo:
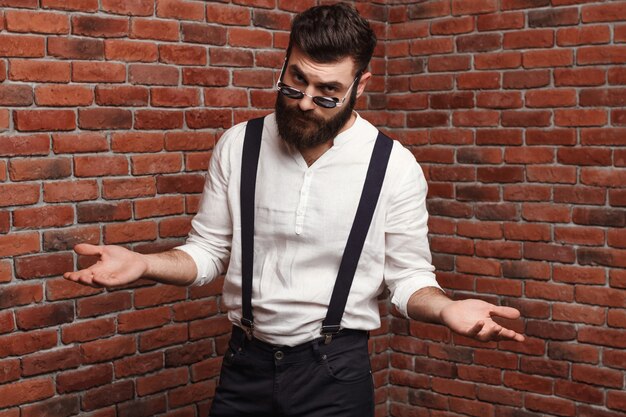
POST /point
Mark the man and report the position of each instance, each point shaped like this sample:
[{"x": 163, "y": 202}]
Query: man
[{"x": 333, "y": 213}]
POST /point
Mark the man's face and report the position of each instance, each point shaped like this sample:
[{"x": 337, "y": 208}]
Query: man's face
[{"x": 301, "y": 122}]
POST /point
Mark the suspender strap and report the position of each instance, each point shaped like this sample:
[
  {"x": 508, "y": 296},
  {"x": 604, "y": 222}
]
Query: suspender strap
[
  {"x": 249, "y": 164},
  {"x": 356, "y": 239}
]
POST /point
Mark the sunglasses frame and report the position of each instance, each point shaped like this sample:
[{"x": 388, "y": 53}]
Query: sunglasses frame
[{"x": 299, "y": 95}]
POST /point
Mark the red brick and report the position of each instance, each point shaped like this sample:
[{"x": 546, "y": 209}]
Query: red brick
[
  {"x": 175, "y": 97},
  {"x": 48, "y": 216},
  {"x": 86, "y": 331},
  {"x": 48, "y": 362},
  {"x": 137, "y": 142},
  {"x": 163, "y": 336},
  {"x": 499, "y": 100},
  {"x": 590, "y": 55},
  {"x": 76, "y": 5},
  {"x": 578, "y": 314},
  {"x": 108, "y": 395},
  {"x": 601, "y": 336},
  {"x": 45, "y": 316},
  {"x": 208, "y": 118},
  {"x": 162, "y": 381},
  {"x": 39, "y": 168},
  {"x": 535, "y": 38},
  {"x": 10, "y": 370},
  {"x": 201, "y": 33},
  {"x": 25, "y": 392},
  {"x": 579, "y": 76},
  {"x": 99, "y": 27},
  {"x": 579, "y": 235},
  {"x": 573, "y": 352},
  {"x": 205, "y": 76},
  {"x": 103, "y": 304},
  {"x": 597, "y": 376},
  {"x": 158, "y": 119},
  {"x": 130, "y": 232},
  {"x": 483, "y": 42},
  {"x": 105, "y": 350},
  {"x": 75, "y": 48},
  {"x": 103, "y": 212},
  {"x": 453, "y": 26},
  {"x": 128, "y": 188},
  {"x": 603, "y": 13},
  {"x": 515, "y": 118},
  {"x": 153, "y": 74},
  {"x": 500, "y": 21},
  {"x": 478, "y": 118},
  {"x": 526, "y": 79},
  {"x": 19, "y": 244},
  {"x": 134, "y": 7},
  {"x": 551, "y": 98},
  {"x": 94, "y": 166},
  {"x": 40, "y": 71},
  {"x": 227, "y": 14},
  {"x": 138, "y": 364},
  {"x": 37, "y": 144},
  {"x": 104, "y": 118},
  {"x": 180, "y": 9},
  {"x": 431, "y": 46},
  {"x": 232, "y": 57},
  {"x": 16, "y": 95},
  {"x": 550, "y": 405},
  {"x": 603, "y": 177},
  {"x": 63, "y": 95},
  {"x": 37, "y": 22},
  {"x": 189, "y": 141},
  {"x": 182, "y": 55},
  {"x": 161, "y": 206},
  {"x": 96, "y": 72},
  {"x": 548, "y": 174},
  {"x": 601, "y": 296},
  {"x": 131, "y": 51},
  {"x": 42, "y": 120},
  {"x": 585, "y": 35},
  {"x": 251, "y": 38},
  {"x": 191, "y": 393},
  {"x": 547, "y": 252},
  {"x": 122, "y": 96},
  {"x": 22, "y": 46},
  {"x": 79, "y": 143},
  {"x": 431, "y": 82},
  {"x": 164, "y": 30},
  {"x": 39, "y": 266},
  {"x": 62, "y": 289}
]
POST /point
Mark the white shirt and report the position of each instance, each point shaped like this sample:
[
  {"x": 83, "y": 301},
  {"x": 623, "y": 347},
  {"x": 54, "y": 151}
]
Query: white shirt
[{"x": 303, "y": 216}]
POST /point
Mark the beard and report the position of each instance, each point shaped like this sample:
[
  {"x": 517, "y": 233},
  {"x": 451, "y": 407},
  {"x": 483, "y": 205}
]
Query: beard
[{"x": 303, "y": 129}]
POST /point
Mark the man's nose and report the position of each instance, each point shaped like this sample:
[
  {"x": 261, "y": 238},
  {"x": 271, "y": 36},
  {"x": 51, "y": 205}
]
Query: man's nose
[{"x": 306, "y": 103}]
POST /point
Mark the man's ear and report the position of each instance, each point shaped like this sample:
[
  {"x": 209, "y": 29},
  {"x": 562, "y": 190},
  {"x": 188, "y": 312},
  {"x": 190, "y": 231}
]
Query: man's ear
[{"x": 362, "y": 83}]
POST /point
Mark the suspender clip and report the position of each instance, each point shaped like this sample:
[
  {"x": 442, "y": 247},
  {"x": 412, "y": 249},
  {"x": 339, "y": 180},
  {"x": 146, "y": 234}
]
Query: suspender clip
[
  {"x": 328, "y": 332},
  {"x": 248, "y": 327}
]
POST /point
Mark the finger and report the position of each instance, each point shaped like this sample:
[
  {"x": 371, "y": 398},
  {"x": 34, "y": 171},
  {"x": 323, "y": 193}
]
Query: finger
[
  {"x": 490, "y": 333},
  {"x": 87, "y": 249},
  {"x": 511, "y": 335},
  {"x": 505, "y": 312},
  {"x": 476, "y": 328}
]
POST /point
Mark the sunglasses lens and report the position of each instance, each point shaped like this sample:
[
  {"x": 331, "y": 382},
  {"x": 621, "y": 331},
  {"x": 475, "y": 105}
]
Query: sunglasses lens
[
  {"x": 291, "y": 92},
  {"x": 325, "y": 102}
]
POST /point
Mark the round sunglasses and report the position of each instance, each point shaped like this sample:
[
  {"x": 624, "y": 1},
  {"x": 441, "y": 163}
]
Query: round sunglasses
[{"x": 322, "y": 101}]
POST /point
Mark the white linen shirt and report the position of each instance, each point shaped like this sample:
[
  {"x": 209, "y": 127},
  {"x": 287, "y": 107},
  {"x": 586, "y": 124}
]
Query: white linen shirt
[{"x": 303, "y": 216}]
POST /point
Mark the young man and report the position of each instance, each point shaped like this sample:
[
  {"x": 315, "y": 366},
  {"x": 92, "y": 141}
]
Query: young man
[{"x": 330, "y": 202}]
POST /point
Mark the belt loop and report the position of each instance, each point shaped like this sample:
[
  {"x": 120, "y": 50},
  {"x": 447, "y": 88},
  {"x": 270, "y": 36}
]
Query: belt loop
[{"x": 316, "y": 349}]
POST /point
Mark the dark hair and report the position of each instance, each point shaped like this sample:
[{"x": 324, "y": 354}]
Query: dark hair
[{"x": 330, "y": 33}]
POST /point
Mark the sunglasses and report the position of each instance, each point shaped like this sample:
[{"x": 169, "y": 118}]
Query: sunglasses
[{"x": 322, "y": 101}]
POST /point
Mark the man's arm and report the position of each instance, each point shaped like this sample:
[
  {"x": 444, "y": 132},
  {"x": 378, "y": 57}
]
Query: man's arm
[
  {"x": 117, "y": 266},
  {"x": 471, "y": 318}
]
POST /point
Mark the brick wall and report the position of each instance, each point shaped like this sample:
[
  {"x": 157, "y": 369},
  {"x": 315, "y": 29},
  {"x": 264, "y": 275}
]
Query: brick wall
[{"x": 514, "y": 108}]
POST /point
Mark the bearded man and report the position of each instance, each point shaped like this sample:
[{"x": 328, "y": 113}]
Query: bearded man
[{"x": 311, "y": 212}]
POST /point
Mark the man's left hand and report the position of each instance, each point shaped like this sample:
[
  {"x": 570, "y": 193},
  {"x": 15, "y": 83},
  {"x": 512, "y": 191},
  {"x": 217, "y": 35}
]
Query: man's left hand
[{"x": 474, "y": 318}]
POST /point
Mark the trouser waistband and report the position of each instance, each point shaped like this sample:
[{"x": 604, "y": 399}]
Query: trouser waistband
[{"x": 289, "y": 354}]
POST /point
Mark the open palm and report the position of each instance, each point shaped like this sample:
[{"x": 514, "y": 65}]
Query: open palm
[
  {"x": 116, "y": 266},
  {"x": 474, "y": 318}
]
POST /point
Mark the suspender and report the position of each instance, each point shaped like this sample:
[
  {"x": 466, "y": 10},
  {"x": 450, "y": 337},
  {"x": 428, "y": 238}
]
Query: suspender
[{"x": 356, "y": 239}]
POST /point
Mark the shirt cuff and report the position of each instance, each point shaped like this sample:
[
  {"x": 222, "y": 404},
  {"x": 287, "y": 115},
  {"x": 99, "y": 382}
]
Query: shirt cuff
[
  {"x": 404, "y": 291},
  {"x": 203, "y": 264}
]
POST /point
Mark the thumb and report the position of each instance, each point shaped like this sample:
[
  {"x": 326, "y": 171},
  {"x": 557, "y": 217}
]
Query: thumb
[
  {"x": 505, "y": 312},
  {"x": 87, "y": 249}
]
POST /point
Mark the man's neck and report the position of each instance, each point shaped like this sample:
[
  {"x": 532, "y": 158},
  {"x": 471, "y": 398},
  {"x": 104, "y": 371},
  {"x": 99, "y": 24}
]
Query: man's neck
[{"x": 313, "y": 153}]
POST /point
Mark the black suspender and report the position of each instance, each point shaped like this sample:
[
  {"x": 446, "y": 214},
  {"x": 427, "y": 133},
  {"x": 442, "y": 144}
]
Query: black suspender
[
  {"x": 356, "y": 239},
  {"x": 249, "y": 164}
]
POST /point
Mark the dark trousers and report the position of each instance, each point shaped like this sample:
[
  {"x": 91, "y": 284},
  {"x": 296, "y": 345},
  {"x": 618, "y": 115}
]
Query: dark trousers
[{"x": 309, "y": 380}]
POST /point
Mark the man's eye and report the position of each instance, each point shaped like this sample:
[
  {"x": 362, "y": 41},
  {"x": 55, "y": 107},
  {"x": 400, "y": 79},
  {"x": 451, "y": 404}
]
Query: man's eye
[{"x": 299, "y": 78}]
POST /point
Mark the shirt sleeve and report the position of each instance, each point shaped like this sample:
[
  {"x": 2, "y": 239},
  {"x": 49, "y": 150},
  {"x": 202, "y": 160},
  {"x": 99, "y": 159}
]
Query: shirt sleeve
[
  {"x": 210, "y": 239},
  {"x": 408, "y": 266}
]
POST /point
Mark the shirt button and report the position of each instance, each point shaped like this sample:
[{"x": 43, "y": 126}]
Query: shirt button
[{"x": 279, "y": 355}]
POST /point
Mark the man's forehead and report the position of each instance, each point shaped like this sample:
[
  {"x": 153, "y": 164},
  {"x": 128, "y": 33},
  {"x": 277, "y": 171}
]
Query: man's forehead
[{"x": 343, "y": 68}]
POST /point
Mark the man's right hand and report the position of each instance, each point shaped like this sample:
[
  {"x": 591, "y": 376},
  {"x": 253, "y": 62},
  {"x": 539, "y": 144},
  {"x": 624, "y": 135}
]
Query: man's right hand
[{"x": 115, "y": 267}]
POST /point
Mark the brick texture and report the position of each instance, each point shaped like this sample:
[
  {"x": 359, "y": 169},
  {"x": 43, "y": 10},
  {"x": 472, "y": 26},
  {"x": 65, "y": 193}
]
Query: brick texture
[{"x": 109, "y": 111}]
